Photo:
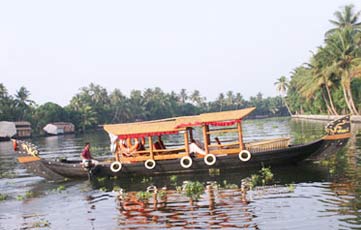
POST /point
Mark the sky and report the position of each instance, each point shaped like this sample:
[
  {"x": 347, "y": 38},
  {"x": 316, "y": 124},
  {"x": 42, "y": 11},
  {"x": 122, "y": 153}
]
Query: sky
[{"x": 54, "y": 48}]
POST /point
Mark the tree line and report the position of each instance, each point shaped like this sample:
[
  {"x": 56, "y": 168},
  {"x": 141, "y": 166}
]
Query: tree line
[
  {"x": 330, "y": 82},
  {"x": 94, "y": 105}
]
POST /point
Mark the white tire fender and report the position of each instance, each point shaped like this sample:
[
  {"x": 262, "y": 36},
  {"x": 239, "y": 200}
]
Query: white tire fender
[
  {"x": 244, "y": 155},
  {"x": 186, "y": 162},
  {"x": 149, "y": 164},
  {"x": 210, "y": 159},
  {"x": 116, "y": 166}
]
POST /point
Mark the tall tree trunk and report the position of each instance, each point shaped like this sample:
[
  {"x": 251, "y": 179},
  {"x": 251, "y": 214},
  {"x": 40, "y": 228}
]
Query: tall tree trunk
[
  {"x": 288, "y": 108},
  {"x": 331, "y": 101},
  {"x": 351, "y": 100},
  {"x": 349, "y": 93},
  {"x": 329, "y": 110},
  {"x": 346, "y": 99}
]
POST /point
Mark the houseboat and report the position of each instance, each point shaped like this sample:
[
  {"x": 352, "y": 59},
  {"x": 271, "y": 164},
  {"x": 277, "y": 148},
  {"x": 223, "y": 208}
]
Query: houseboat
[{"x": 138, "y": 148}]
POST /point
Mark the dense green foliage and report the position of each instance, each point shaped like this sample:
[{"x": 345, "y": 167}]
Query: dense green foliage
[
  {"x": 330, "y": 83},
  {"x": 94, "y": 105}
]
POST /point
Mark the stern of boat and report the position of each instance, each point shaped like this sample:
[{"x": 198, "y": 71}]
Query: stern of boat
[{"x": 338, "y": 133}]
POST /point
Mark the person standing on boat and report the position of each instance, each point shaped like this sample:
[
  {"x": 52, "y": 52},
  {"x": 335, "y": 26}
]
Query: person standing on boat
[{"x": 86, "y": 156}]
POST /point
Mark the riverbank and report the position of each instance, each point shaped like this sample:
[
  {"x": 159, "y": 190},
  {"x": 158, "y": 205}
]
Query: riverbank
[{"x": 354, "y": 119}]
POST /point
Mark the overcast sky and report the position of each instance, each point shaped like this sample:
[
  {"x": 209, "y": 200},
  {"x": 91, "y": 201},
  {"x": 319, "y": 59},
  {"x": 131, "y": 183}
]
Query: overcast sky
[{"x": 56, "y": 47}]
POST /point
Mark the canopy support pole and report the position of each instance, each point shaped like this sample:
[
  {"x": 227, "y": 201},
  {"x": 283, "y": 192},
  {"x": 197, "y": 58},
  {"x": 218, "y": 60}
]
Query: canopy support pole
[
  {"x": 190, "y": 133},
  {"x": 150, "y": 140},
  {"x": 206, "y": 139},
  {"x": 186, "y": 142},
  {"x": 240, "y": 135}
]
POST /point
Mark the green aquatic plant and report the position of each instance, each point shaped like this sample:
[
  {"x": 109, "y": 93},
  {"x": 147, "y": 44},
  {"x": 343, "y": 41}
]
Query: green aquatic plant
[
  {"x": 117, "y": 188},
  {"x": 291, "y": 187},
  {"x": 60, "y": 188},
  {"x": 227, "y": 185},
  {"x": 8, "y": 175},
  {"x": 29, "y": 194},
  {"x": 101, "y": 179},
  {"x": 162, "y": 194},
  {"x": 20, "y": 197},
  {"x": 103, "y": 189},
  {"x": 3, "y": 197},
  {"x": 143, "y": 196},
  {"x": 146, "y": 180},
  {"x": 41, "y": 224},
  {"x": 179, "y": 189},
  {"x": 214, "y": 172},
  {"x": 264, "y": 176},
  {"x": 193, "y": 189},
  {"x": 173, "y": 180},
  {"x": 254, "y": 181}
]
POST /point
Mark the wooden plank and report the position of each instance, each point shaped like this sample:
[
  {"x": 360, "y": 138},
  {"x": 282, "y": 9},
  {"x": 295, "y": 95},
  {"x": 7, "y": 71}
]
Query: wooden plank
[
  {"x": 224, "y": 145},
  {"x": 223, "y": 131},
  {"x": 159, "y": 157},
  {"x": 270, "y": 141},
  {"x": 161, "y": 151},
  {"x": 337, "y": 136},
  {"x": 170, "y": 156},
  {"x": 27, "y": 159},
  {"x": 225, "y": 151}
]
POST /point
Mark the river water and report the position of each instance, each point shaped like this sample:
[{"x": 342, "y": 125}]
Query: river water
[{"x": 319, "y": 195}]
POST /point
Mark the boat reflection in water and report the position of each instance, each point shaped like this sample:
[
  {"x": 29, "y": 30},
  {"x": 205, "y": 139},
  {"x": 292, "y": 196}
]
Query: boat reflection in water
[
  {"x": 197, "y": 201},
  {"x": 172, "y": 209}
]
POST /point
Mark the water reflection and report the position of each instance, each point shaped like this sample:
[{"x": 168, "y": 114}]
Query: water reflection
[
  {"x": 216, "y": 208},
  {"x": 164, "y": 202},
  {"x": 326, "y": 194}
]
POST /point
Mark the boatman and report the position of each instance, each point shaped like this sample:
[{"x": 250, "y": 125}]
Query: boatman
[{"x": 86, "y": 156}]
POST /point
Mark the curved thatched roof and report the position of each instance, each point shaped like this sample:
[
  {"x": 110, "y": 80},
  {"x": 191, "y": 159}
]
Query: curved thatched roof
[{"x": 174, "y": 125}]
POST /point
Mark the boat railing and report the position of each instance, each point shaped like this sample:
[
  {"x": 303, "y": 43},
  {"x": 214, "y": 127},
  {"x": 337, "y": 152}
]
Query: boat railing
[
  {"x": 158, "y": 154},
  {"x": 267, "y": 145}
]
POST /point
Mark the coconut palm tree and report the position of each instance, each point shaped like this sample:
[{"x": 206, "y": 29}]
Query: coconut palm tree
[
  {"x": 344, "y": 51},
  {"x": 282, "y": 86},
  {"x": 183, "y": 95},
  {"x": 220, "y": 101},
  {"x": 22, "y": 96},
  {"x": 229, "y": 99},
  {"x": 238, "y": 100},
  {"x": 23, "y": 104},
  {"x": 196, "y": 98},
  {"x": 346, "y": 18},
  {"x": 322, "y": 77},
  {"x": 88, "y": 117}
]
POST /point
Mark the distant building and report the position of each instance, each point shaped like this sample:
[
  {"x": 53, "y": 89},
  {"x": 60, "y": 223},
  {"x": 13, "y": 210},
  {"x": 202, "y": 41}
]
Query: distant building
[
  {"x": 58, "y": 128},
  {"x": 23, "y": 129}
]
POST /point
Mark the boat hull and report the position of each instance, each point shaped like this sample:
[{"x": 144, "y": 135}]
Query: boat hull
[{"x": 57, "y": 170}]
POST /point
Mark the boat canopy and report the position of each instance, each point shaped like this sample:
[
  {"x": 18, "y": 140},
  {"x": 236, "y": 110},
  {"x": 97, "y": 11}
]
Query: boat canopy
[
  {"x": 225, "y": 118},
  {"x": 174, "y": 125},
  {"x": 142, "y": 129}
]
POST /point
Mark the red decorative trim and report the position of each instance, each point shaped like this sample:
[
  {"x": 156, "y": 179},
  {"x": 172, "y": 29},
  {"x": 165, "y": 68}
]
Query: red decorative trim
[
  {"x": 185, "y": 125},
  {"x": 138, "y": 135},
  {"x": 222, "y": 123},
  {"x": 215, "y": 123}
]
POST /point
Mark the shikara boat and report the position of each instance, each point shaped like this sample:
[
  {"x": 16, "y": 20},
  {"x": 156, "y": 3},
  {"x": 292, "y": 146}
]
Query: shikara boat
[{"x": 138, "y": 148}]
